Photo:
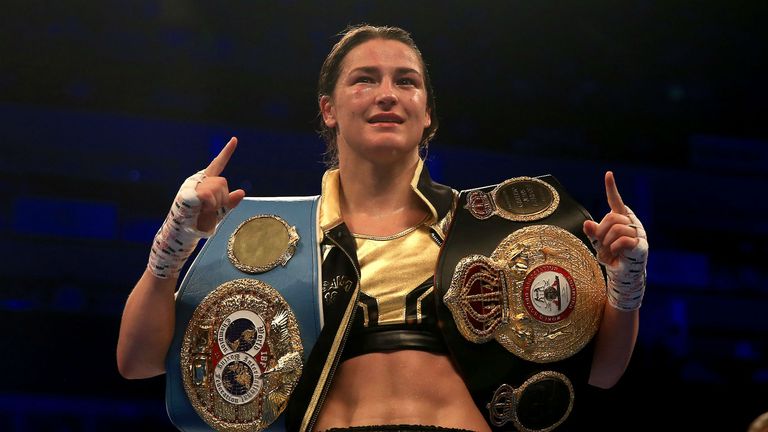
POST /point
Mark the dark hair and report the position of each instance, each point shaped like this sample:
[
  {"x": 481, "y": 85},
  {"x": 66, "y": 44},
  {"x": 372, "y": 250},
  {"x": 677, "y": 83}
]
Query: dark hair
[{"x": 329, "y": 74}]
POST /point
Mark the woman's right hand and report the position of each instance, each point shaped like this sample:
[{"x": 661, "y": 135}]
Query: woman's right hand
[
  {"x": 201, "y": 203},
  {"x": 213, "y": 191}
]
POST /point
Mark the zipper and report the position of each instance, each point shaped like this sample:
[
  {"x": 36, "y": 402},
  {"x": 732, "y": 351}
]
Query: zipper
[{"x": 331, "y": 372}]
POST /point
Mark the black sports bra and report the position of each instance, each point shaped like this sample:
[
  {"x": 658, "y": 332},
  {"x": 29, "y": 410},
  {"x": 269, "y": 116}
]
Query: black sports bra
[
  {"x": 396, "y": 309},
  {"x": 418, "y": 332}
]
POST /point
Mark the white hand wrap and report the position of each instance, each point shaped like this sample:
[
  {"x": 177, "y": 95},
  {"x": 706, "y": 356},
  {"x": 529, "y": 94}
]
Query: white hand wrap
[
  {"x": 178, "y": 236},
  {"x": 626, "y": 278}
]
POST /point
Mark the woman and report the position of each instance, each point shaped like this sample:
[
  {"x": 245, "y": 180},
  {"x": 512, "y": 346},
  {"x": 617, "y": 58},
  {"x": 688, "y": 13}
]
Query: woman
[{"x": 380, "y": 214}]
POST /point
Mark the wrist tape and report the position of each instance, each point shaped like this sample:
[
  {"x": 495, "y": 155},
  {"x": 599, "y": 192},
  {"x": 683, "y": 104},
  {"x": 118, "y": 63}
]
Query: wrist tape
[
  {"x": 626, "y": 278},
  {"x": 178, "y": 236}
]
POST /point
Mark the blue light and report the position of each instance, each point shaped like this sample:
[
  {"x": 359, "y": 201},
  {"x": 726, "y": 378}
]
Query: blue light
[
  {"x": 64, "y": 218},
  {"x": 18, "y": 305},
  {"x": 679, "y": 269}
]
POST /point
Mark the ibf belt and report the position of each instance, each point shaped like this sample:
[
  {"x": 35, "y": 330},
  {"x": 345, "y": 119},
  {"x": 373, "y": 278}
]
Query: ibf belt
[
  {"x": 521, "y": 291},
  {"x": 247, "y": 316}
]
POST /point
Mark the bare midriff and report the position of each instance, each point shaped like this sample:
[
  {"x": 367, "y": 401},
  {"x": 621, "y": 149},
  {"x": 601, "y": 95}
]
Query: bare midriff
[{"x": 400, "y": 387}]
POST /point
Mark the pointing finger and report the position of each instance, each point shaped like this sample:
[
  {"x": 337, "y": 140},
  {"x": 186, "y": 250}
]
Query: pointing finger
[
  {"x": 218, "y": 163},
  {"x": 612, "y": 192}
]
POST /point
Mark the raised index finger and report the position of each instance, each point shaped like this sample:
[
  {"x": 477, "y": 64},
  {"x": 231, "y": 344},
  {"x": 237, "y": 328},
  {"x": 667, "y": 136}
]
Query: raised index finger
[
  {"x": 612, "y": 192},
  {"x": 218, "y": 163}
]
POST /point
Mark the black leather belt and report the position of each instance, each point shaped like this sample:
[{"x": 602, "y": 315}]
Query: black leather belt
[{"x": 515, "y": 262}]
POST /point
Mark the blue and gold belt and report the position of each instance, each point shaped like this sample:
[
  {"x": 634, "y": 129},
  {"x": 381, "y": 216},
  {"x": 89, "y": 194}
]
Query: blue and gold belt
[{"x": 248, "y": 312}]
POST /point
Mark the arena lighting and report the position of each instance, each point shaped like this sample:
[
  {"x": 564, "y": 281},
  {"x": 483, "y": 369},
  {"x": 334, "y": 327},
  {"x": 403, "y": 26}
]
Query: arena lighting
[{"x": 64, "y": 218}]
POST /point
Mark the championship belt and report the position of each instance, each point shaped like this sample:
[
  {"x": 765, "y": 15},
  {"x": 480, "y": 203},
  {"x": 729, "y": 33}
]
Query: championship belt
[
  {"x": 522, "y": 296},
  {"x": 247, "y": 316}
]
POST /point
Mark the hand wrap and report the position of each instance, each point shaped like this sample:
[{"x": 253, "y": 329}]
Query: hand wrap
[
  {"x": 626, "y": 278},
  {"x": 178, "y": 236}
]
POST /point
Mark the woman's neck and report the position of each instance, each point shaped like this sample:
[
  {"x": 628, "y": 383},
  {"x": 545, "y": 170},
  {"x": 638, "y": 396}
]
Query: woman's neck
[{"x": 378, "y": 200}]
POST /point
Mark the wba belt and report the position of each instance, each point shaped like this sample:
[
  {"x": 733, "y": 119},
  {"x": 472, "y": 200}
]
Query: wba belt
[
  {"x": 522, "y": 296},
  {"x": 247, "y": 315}
]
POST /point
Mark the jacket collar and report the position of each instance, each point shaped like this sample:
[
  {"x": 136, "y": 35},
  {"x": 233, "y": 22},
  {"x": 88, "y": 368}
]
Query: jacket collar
[{"x": 437, "y": 197}]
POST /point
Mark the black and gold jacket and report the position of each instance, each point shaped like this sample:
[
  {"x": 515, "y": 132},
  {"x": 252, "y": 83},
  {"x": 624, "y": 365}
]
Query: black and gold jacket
[{"x": 341, "y": 292}]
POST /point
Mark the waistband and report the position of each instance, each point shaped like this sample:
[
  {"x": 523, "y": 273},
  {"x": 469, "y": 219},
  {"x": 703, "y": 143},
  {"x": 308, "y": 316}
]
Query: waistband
[
  {"x": 396, "y": 428},
  {"x": 381, "y": 339}
]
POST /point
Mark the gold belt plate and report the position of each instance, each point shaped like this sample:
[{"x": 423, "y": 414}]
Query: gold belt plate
[
  {"x": 519, "y": 199},
  {"x": 540, "y": 294},
  {"x": 261, "y": 243},
  {"x": 241, "y": 356}
]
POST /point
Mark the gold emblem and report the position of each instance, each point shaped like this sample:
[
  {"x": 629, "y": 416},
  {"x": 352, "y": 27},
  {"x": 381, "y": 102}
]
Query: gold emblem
[
  {"x": 241, "y": 356},
  {"x": 261, "y": 243},
  {"x": 506, "y": 400},
  {"x": 519, "y": 199},
  {"x": 540, "y": 294}
]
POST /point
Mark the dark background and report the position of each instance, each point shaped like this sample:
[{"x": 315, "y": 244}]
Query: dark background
[{"x": 107, "y": 106}]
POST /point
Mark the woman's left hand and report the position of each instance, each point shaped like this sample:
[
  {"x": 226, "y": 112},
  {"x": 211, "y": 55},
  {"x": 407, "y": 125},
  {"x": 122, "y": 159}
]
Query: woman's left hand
[
  {"x": 622, "y": 246},
  {"x": 620, "y": 232}
]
